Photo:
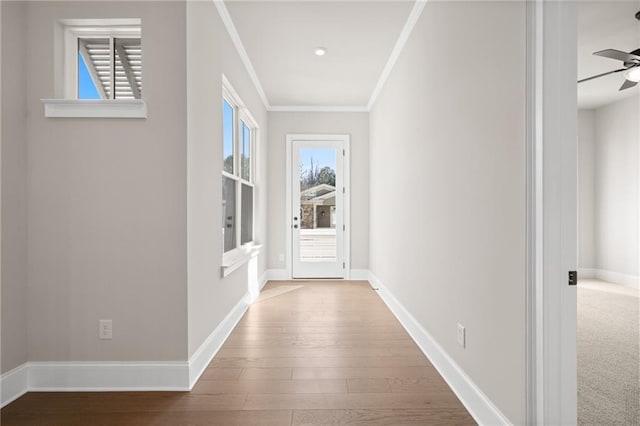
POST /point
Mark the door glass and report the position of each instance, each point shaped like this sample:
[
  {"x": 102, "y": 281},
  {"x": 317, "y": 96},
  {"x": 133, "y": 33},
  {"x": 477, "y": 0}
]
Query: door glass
[{"x": 317, "y": 204}]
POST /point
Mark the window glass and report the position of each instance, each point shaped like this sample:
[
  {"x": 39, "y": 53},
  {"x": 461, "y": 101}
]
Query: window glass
[
  {"x": 227, "y": 136},
  {"x": 246, "y": 231},
  {"x": 128, "y": 68},
  {"x": 107, "y": 62},
  {"x": 245, "y": 152},
  {"x": 94, "y": 68},
  {"x": 86, "y": 87},
  {"x": 228, "y": 213}
]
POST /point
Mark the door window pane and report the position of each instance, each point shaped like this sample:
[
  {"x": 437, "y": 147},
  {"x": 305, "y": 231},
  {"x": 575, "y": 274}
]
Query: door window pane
[
  {"x": 246, "y": 231},
  {"x": 318, "y": 240},
  {"x": 245, "y": 152},
  {"x": 227, "y": 136},
  {"x": 228, "y": 213}
]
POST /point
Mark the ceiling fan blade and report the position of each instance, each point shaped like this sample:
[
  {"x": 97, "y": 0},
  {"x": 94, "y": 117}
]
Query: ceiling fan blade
[
  {"x": 602, "y": 75},
  {"x": 618, "y": 55},
  {"x": 627, "y": 84}
]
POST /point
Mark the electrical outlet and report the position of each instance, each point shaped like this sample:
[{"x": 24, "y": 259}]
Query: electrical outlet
[
  {"x": 461, "y": 335},
  {"x": 106, "y": 330},
  {"x": 281, "y": 257}
]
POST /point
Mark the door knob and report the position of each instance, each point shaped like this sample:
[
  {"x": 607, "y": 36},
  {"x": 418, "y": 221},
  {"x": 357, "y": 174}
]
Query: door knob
[
  {"x": 295, "y": 218},
  {"x": 295, "y": 226}
]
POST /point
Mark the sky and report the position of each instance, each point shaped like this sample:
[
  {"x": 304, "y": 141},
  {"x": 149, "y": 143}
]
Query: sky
[
  {"x": 86, "y": 88},
  {"x": 321, "y": 156}
]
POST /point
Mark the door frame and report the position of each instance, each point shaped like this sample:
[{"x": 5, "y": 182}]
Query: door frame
[
  {"x": 551, "y": 163},
  {"x": 313, "y": 137}
]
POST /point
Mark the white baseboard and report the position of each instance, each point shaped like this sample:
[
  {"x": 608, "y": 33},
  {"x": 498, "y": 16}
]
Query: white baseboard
[
  {"x": 282, "y": 275},
  {"x": 263, "y": 280},
  {"x": 205, "y": 353},
  {"x": 108, "y": 376},
  {"x": 360, "y": 274},
  {"x": 586, "y": 273},
  {"x": 477, "y": 403},
  {"x": 119, "y": 376},
  {"x": 93, "y": 376},
  {"x": 13, "y": 384},
  {"x": 276, "y": 275},
  {"x": 610, "y": 276}
]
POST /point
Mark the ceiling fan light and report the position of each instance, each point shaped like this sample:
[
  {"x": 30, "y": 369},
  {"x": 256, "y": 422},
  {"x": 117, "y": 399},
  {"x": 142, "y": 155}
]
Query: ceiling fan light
[{"x": 633, "y": 74}]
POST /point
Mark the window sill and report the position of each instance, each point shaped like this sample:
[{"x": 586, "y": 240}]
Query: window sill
[
  {"x": 95, "y": 108},
  {"x": 236, "y": 258}
]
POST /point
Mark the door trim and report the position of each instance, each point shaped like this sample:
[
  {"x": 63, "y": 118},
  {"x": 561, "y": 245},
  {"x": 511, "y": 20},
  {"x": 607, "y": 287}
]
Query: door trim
[
  {"x": 551, "y": 388},
  {"x": 346, "y": 140}
]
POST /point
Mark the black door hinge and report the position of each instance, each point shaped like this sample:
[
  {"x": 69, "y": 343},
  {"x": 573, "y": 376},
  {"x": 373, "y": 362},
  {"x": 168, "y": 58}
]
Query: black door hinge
[{"x": 573, "y": 278}]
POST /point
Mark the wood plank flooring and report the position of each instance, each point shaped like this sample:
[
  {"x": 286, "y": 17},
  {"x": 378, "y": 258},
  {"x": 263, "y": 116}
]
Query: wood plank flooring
[{"x": 307, "y": 353}]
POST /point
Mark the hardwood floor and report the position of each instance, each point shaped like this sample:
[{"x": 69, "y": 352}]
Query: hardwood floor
[{"x": 307, "y": 353}]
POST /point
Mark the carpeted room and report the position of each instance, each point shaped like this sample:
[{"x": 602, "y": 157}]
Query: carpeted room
[{"x": 608, "y": 352}]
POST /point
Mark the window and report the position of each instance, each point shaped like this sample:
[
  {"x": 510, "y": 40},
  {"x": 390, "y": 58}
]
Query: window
[
  {"x": 99, "y": 71},
  {"x": 109, "y": 68},
  {"x": 103, "y": 59},
  {"x": 238, "y": 148}
]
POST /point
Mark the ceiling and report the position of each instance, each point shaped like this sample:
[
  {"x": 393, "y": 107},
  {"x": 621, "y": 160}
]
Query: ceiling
[
  {"x": 605, "y": 25},
  {"x": 280, "y": 38}
]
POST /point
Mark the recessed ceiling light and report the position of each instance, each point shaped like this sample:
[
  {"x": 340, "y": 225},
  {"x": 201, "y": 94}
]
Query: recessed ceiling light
[{"x": 320, "y": 51}]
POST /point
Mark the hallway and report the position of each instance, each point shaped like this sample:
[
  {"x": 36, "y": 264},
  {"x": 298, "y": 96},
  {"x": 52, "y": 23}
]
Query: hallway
[{"x": 306, "y": 353}]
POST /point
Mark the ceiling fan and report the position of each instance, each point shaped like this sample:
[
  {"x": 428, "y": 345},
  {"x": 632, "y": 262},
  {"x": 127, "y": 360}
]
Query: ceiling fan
[{"x": 630, "y": 61}]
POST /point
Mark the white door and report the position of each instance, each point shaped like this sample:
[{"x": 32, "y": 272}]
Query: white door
[{"x": 317, "y": 201}]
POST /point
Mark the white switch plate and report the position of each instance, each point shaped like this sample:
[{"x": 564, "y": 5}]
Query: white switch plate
[
  {"x": 281, "y": 257},
  {"x": 461, "y": 335},
  {"x": 106, "y": 329}
]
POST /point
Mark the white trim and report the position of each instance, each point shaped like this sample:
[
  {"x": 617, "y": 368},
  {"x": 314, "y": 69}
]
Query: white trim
[
  {"x": 586, "y": 273},
  {"x": 212, "y": 344},
  {"x": 345, "y": 140},
  {"x": 360, "y": 274},
  {"x": 108, "y": 376},
  {"x": 534, "y": 324},
  {"x": 551, "y": 385},
  {"x": 13, "y": 384},
  {"x": 94, "y": 108},
  {"x": 264, "y": 279},
  {"x": 234, "y": 259},
  {"x": 418, "y": 7},
  {"x": 294, "y": 108},
  {"x": 475, "y": 401},
  {"x": 237, "y": 42},
  {"x": 613, "y": 277},
  {"x": 276, "y": 275}
]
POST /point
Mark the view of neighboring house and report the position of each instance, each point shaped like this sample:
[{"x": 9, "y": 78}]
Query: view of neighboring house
[{"x": 318, "y": 207}]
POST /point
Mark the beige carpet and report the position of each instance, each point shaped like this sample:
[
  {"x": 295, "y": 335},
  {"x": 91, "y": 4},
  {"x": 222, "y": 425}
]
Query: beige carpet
[{"x": 608, "y": 354}]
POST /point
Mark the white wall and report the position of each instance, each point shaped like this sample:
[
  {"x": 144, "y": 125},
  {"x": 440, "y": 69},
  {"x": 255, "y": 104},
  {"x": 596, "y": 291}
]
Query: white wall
[
  {"x": 586, "y": 189},
  {"x": 14, "y": 186},
  {"x": 210, "y": 54},
  {"x": 355, "y": 124},
  {"x": 107, "y": 202},
  {"x": 616, "y": 187},
  {"x": 447, "y": 200}
]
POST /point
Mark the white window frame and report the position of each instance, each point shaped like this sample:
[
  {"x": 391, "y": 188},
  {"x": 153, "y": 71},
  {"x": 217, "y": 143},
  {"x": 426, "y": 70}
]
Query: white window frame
[
  {"x": 69, "y": 106},
  {"x": 234, "y": 258}
]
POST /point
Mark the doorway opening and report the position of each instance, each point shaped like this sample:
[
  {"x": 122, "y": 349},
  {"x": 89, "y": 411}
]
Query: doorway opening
[
  {"x": 318, "y": 206},
  {"x": 608, "y": 295}
]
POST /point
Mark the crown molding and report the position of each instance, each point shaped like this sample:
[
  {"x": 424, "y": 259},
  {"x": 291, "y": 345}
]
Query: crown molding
[
  {"x": 305, "y": 108},
  {"x": 418, "y": 7},
  {"x": 242, "y": 52}
]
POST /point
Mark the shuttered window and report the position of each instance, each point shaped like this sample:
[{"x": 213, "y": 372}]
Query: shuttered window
[{"x": 110, "y": 63}]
